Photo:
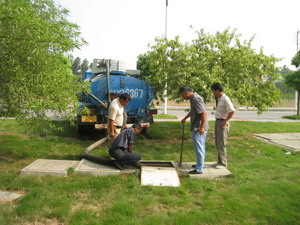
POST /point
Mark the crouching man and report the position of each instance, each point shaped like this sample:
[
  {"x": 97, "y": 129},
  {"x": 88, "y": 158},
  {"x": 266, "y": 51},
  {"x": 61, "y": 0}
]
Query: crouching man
[{"x": 121, "y": 148}]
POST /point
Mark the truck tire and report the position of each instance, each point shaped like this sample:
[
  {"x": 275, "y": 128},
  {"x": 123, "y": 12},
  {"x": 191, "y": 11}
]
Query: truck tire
[
  {"x": 84, "y": 129},
  {"x": 144, "y": 131}
]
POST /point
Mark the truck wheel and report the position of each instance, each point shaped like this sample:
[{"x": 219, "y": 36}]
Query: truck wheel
[
  {"x": 84, "y": 129},
  {"x": 144, "y": 131}
]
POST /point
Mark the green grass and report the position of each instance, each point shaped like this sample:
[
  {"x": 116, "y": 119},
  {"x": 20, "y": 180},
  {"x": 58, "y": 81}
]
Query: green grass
[
  {"x": 264, "y": 188},
  {"x": 293, "y": 117},
  {"x": 165, "y": 116}
]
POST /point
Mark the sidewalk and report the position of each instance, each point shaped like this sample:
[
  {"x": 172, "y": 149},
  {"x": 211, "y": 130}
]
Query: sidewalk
[{"x": 279, "y": 109}]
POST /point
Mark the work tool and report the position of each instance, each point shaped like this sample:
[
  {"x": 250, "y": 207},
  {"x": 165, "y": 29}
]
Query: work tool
[{"x": 182, "y": 136}]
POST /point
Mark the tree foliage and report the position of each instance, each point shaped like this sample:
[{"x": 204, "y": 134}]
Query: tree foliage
[
  {"x": 78, "y": 67},
  {"x": 293, "y": 79},
  {"x": 248, "y": 76},
  {"x": 36, "y": 75},
  {"x": 286, "y": 91}
]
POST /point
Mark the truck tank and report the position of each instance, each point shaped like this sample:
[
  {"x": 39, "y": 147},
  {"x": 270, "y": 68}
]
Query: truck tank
[{"x": 137, "y": 110}]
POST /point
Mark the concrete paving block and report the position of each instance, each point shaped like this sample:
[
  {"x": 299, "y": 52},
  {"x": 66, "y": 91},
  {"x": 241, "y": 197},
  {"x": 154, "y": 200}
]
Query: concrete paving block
[
  {"x": 49, "y": 166},
  {"x": 290, "y": 144},
  {"x": 209, "y": 171},
  {"x": 159, "y": 176},
  {"x": 87, "y": 167},
  {"x": 6, "y": 196},
  {"x": 287, "y": 140},
  {"x": 279, "y": 136}
]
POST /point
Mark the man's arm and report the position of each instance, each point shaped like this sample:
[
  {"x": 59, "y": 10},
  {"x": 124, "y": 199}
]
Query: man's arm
[
  {"x": 129, "y": 148},
  {"x": 111, "y": 126},
  {"x": 202, "y": 123},
  {"x": 185, "y": 118},
  {"x": 229, "y": 116}
]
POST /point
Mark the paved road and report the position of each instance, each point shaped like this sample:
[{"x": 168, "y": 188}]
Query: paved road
[{"x": 275, "y": 116}]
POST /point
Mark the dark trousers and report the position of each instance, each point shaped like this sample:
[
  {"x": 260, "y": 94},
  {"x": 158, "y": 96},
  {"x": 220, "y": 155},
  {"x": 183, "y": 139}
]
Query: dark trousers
[{"x": 124, "y": 157}]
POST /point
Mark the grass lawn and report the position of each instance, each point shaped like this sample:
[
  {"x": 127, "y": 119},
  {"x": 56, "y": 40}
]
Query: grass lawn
[
  {"x": 264, "y": 188},
  {"x": 164, "y": 116}
]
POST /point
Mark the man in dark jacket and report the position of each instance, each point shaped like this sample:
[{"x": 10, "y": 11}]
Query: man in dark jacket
[{"x": 121, "y": 148}]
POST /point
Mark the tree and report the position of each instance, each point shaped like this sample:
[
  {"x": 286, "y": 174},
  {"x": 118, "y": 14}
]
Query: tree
[
  {"x": 84, "y": 66},
  {"x": 293, "y": 79},
  {"x": 78, "y": 67},
  {"x": 286, "y": 92},
  {"x": 247, "y": 76},
  {"x": 36, "y": 74}
]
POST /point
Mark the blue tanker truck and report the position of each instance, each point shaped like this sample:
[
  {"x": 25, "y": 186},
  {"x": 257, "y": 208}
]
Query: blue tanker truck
[{"x": 108, "y": 79}]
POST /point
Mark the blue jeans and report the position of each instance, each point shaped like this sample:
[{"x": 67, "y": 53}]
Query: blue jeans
[{"x": 199, "y": 147}]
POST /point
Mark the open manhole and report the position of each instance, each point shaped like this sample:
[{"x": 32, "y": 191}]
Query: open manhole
[{"x": 159, "y": 164}]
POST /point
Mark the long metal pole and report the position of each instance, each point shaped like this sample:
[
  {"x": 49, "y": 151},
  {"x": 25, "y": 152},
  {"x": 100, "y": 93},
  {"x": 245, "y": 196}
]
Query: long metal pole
[
  {"x": 166, "y": 86},
  {"x": 108, "y": 80},
  {"x": 296, "y": 93},
  {"x": 297, "y": 39},
  {"x": 181, "y": 149}
]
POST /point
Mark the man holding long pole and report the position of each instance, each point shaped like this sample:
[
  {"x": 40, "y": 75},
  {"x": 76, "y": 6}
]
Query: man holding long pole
[{"x": 199, "y": 125}]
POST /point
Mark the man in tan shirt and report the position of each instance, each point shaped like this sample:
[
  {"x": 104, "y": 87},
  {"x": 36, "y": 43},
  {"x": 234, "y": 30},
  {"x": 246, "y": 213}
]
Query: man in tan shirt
[
  {"x": 115, "y": 115},
  {"x": 224, "y": 113}
]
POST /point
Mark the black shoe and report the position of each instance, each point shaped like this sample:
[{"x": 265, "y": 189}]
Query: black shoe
[
  {"x": 138, "y": 165},
  {"x": 119, "y": 165},
  {"x": 195, "y": 172}
]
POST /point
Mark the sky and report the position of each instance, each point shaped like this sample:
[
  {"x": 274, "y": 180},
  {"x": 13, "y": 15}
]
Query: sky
[{"x": 122, "y": 29}]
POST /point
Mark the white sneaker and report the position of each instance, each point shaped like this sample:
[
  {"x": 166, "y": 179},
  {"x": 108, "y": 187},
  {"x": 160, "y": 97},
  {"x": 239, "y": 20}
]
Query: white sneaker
[
  {"x": 214, "y": 164},
  {"x": 219, "y": 166}
]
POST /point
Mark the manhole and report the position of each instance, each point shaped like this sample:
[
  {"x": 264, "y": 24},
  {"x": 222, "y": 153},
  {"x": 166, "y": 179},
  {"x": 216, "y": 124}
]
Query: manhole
[{"x": 159, "y": 163}]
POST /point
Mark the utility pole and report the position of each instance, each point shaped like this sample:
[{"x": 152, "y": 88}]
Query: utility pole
[
  {"x": 297, "y": 39},
  {"x": 166, "y": 86},
  {"x": 296, "y": 93}
]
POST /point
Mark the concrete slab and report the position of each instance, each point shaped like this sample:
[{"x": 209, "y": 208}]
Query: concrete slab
[
  {"x": 287, "y": 140},
  {"x": 291, "y": 144},
  {"x": 60, "y": 168},
  {"x": 49, "y": 166},
  {"x": 209, "y": 171},
  {"x": 159, "y": 176},
  {"x": 6, "y": 196},
  {"x": 279, "y": 136},
  {"x": 87, "y": 167}
]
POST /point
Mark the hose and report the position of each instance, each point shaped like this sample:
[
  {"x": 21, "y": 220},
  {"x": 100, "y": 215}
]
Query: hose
[{"x": 94, "y": 158}]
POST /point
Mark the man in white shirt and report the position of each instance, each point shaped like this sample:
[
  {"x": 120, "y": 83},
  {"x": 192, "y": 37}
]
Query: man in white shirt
[
  {"x": 224, "y": 113},
  {"x": 115, "y": 115}
]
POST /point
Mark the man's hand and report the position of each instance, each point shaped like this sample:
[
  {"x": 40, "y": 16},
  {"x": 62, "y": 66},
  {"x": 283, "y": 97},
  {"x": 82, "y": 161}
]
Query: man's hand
[
  {"x": 201, "y": 131},
  {"x": 224, "y": 124},
  {"x": 183, "y": 120},
  {"x": 112, "y": 135},
  {"x": 129, "y": 148}
]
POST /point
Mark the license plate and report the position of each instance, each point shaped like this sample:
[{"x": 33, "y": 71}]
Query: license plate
[{"x": 91, "y": 118}]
